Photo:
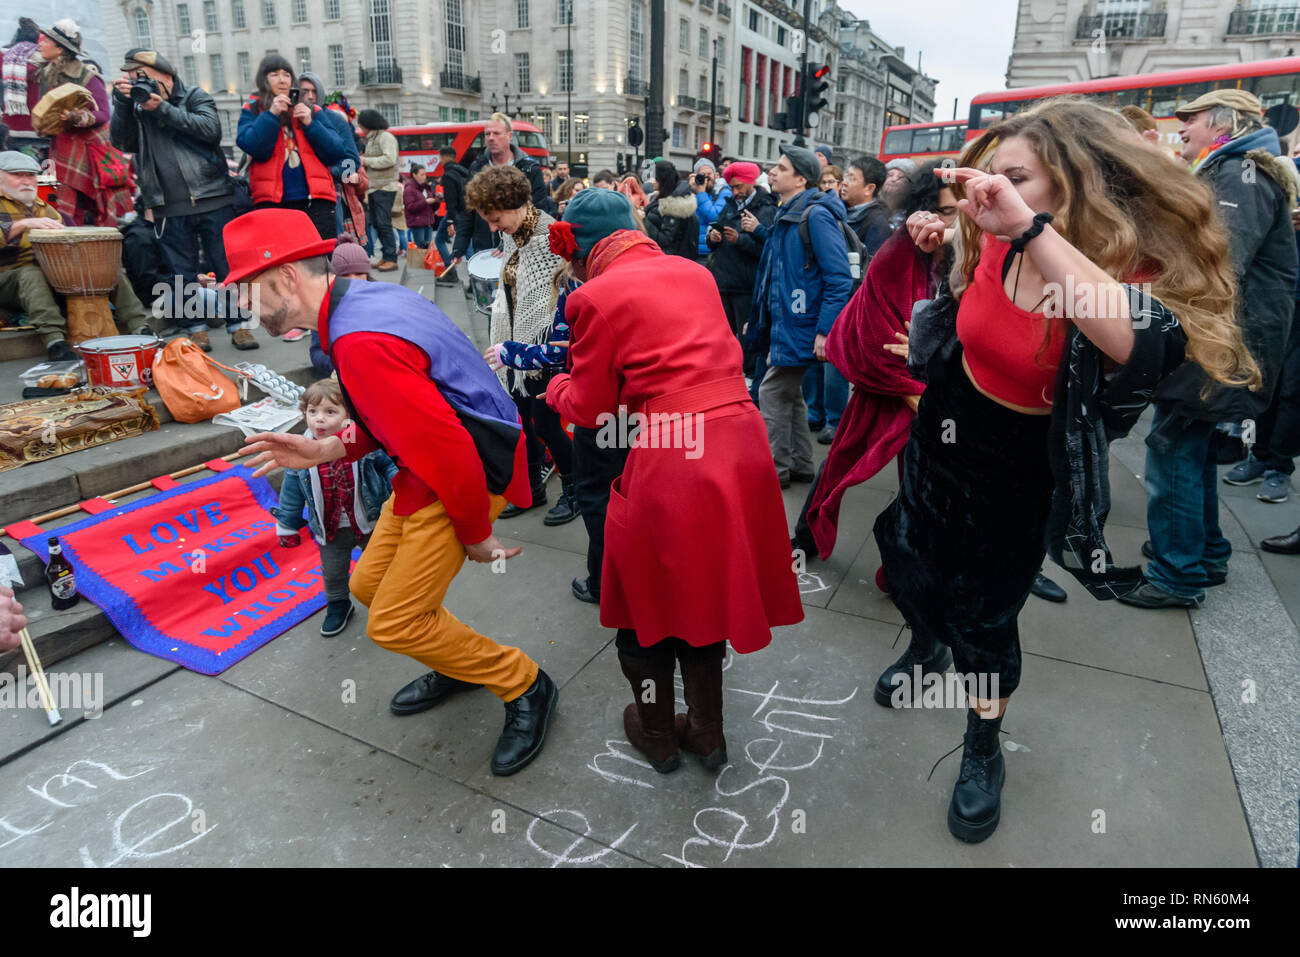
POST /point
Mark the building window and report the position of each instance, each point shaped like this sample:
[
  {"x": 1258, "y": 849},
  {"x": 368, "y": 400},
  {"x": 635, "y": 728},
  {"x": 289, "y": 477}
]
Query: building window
[
  {"x": 444, "y": 114},
  {"x": 521, "y": 14},
  {"x": 743, "y": 136},
  {"x": 563, "y": 12},
  {"x": 699, "y": 137},
  {"x": 704, "y": 42},
  {"x": 720, "y": 42},
  {"x": 562, "y": 129},
  {"x": 454, "y": 14},
  {"x": 299, "y": 11},
  {"x": 580, "y": 122},
  {"x": 303, "y": 56},
  {"x": 458, "y": 115},
  {"x": 237, "y": 14},
  {"x": 564, "y": 69},
  {"x": 338, "y": 75},
  {"x": 245, "y": 68},
  {"x": 226, "y": 131},
  {"x": 268, "y": 13},
  {"x": 635, "y": 41},
  {"x": 704, "y": 91},
  {"x": 331, "y": 9},
  {"x": 743, "y": 103},
  {"x": 771, "y": 147},
  {"x": 392, "y": 112},
  {"x": 753, "y": 20},
  {"x": 780, "y": 36},
  {"x": 679, "y": 134},
  {"x": 210, "y": 16},
  {"x": 684, "y": 35},
  {"x": 683, "y": 84},
  {"x": 543, "y": 122},
  {"x": 183, "y": 18},
  {"x": 190, "y": 70},
  {"x": 523, "y": 73},
  {"x": 217, "y": 67}
]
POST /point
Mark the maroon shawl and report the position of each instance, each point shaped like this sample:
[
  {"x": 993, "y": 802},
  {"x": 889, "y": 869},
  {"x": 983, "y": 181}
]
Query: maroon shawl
[{"x": 876, "y": 420}]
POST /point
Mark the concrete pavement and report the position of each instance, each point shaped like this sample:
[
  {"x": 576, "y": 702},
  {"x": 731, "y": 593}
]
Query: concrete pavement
[{"x": 1131, "y": 742}]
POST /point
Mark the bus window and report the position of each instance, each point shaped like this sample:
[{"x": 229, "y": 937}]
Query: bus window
[
  {"x": 899, "y": 142},
  {"x": 1190, "y": 91},
  {"x": 1139, "y": 97},
  {"x": 991, "y": 114},
  {"x": 473, "y": 151},
  {"x": 528, "y": 140},
  {"x": 1163, "y": 101},
  {"x": 927, "y": 141},
  {"x": 954, "y": 138},
  {"x": 1273, "y": 90}
]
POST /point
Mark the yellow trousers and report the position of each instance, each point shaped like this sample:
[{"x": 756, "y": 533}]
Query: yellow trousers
[{"x": 403, "y": 577}]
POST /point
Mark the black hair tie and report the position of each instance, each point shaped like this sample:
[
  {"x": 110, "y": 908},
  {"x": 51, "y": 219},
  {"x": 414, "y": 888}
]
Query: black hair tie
[{"x": 1041, "y": 220}]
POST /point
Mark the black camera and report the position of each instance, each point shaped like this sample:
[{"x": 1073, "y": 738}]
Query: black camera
[
  {"x": 142, "y": 88},
  {"x": 293, "y": 96},
  {"x": 701, "y": 179}
]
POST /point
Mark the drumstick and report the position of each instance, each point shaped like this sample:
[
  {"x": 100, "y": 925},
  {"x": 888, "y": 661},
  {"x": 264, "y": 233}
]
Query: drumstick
[{"x": 38, "y": 674}]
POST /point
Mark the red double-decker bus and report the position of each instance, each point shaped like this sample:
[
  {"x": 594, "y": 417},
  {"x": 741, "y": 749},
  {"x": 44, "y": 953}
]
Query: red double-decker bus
[
  {"x": 1275, "y": 82},
  {"x": 922, "y": 142}
]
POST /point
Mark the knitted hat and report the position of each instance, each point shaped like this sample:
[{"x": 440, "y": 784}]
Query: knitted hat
[
  {"x": 702, "y": 162},
  {"x": 825, "y": 151},
  {"x": 743, "y": 173},
  {"x": 593, "y": 214},
  {"x": 804, "y": 162},
  {"x": 350, "y": 258},
  {"x": 906, "y": 165}
]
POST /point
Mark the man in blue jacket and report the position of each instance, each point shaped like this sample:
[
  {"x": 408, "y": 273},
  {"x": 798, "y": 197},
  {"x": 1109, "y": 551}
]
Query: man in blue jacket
[
  {"x": 797, "y": 297},
  {"x": 312, "y": 92},
  {"x": 710, "y": 197}
]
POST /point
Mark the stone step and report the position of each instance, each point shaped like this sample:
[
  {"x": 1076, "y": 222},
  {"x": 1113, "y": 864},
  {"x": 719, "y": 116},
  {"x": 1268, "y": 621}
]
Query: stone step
[
  {"x": 20, "y": 343},
  {"x": 57, "y": 634}
]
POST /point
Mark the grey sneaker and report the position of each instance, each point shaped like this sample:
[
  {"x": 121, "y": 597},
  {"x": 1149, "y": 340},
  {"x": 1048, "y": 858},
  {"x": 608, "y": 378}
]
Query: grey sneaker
[
  {"x": 1276, "y": 487},
  {"x": 1246, "y": 473}
]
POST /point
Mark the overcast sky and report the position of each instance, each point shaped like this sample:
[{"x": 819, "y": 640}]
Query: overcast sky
[{"x": 965, "y": 46}]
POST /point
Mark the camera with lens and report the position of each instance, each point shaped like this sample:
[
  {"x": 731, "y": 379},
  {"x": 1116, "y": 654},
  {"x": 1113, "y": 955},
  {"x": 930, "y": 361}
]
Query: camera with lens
[
  {"x": 293, "y": 96},
  {"x": 701, "y": 179},
  {"x": 142, "y": 87}
]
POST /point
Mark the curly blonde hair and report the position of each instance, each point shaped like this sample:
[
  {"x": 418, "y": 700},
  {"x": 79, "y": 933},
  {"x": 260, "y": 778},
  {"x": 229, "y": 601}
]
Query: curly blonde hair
[
  {"x": 1127, "y": 209},
  {"x": 498, "y": 188}
]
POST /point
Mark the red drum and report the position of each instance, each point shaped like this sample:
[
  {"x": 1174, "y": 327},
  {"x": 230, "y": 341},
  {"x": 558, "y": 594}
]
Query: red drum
[{"x": 120, "y": 361}]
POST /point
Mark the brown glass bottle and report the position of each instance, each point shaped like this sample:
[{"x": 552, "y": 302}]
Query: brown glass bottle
[{"x": 63, "y": 584}]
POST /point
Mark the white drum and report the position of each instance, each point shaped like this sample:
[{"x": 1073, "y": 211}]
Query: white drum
[{"x": 484, "y": 278}]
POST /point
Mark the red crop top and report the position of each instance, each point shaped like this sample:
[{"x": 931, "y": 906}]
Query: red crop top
[{"x": 1002, "y": 343}]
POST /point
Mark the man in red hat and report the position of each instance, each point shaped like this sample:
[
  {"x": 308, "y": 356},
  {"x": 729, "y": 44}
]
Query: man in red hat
[{"x": 420, "y": 390}]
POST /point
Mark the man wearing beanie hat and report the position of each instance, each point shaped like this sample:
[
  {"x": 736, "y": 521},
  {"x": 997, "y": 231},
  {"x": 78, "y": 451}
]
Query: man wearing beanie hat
[
  {"x": 736, "y": 252},
  {"x": 185, "y": 186},
  {"x": 421, "y": 392},
  {"x": 696, "y": 549},
  {"x": 710, "y": 197},
  {"x": 823, "y": 155},
  {"x": 1239, "y": 158},
  {"x": 799, "y": 292}
]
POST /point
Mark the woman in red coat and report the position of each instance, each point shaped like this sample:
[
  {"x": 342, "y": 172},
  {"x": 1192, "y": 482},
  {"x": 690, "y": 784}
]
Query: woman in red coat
[{"x": 696, "y": 550}]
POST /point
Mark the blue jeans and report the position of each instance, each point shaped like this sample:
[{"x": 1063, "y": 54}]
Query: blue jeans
[
  {"x": 441, "y": 240},
  {"x": 421, "y": 235},
  {"x": 179, "y": 239},
  {"x": 827, "y": 392},
  {"x": 1183, "y": 506}
]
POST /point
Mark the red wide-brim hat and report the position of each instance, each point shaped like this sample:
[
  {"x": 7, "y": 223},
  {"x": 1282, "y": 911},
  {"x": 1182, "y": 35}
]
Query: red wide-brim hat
[{"x": 268, "y": 237}]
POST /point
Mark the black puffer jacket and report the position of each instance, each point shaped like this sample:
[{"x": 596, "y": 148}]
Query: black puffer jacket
[
  {"x": 672, "y": 223},
  {"x": 454, "y": 178},
  {"x": 735, "y": 265},
  {"x": 189, "y": 117},
  {"x": 470, "y": 225},
  {"x": 1254, "y": 191}
]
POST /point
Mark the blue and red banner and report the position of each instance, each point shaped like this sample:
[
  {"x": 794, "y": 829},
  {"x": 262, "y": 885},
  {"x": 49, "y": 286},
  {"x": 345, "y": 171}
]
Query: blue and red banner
[{"x": 194, "y": 574}]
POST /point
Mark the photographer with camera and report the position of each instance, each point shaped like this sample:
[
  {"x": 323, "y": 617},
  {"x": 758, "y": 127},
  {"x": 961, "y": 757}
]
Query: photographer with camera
[
  {"x": 711, "y": 195},
  {"x": 185, "y": 186}
]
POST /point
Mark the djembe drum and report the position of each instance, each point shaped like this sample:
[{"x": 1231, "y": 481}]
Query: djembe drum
[{"x": 83, "y": 263}]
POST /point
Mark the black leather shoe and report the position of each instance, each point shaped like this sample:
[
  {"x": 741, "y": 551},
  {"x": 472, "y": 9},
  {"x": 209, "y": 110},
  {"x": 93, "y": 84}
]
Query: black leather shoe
[
  {"x": 426, "y": 691},
  {"x": 976, "y": 805},
  {"x": 582, "y": 591},
  {"x": 527, "y": 719},
  {"x": 1283, "y": 544},
  {"x": 1148, "y": 595},
  {"x": 60, "y": 351},
  {"x": 933, "y": 660},
  {"x": 1047, "y": 589},
  {"x": 539, "y": 499},
  {"x": 804, "y": 477},
  {"x": 566, "y": 509},
  {"x": 1215, "y": 574}
]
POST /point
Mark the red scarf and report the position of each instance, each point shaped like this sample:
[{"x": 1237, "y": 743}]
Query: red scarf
[{"x": 613, "y": 246}]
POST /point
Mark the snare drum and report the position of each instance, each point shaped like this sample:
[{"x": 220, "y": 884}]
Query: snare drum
[
  {"x": 83, "y": 263},
  {"x": 484, "y": 278},
  {"x": 120, "y": 361}
]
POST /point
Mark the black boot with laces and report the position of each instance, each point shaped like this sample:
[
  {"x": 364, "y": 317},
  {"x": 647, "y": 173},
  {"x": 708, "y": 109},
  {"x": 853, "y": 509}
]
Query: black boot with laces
[
  {"x": 976, "y": 805},
  {"x": 933, "y": 657}
]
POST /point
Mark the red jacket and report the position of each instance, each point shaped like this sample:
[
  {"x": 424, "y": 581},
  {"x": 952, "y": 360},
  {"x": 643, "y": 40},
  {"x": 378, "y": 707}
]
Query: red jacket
[{"x": 696, "y": 544}]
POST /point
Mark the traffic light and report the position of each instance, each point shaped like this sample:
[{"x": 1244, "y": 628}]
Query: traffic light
[
  {"x": 709, "y": 151},
  {"x": 635, "y": 136},
  {"x": 816, "y": 83},
  {"x": 792, "y": 118}
]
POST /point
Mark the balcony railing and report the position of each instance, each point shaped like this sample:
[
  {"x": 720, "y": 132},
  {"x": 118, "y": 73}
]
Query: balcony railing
[
  {"x": 382, "y": 74},
  {"x": 1263, "y": 21},
  {"x": 632, "y": 86},
  {"x": 461, "y": 82},
  {"x": 724, "y": 9},
  {"x": 1122, "y": 26},
  {"x": 687, "y": 101},
  {"x": 723, "y": 112}
]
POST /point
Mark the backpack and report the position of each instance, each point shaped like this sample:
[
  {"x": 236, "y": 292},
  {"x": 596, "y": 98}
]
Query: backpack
[
  {"x": 190, "y": 387},
  {"x": 858, "y": 257}
]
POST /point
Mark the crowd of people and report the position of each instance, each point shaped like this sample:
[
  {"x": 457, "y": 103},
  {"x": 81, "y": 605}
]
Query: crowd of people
[{"x": 988, "y": 327}]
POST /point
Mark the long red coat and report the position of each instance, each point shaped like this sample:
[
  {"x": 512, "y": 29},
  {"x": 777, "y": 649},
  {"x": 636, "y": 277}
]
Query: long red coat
[{"x": 696, "y": 545}]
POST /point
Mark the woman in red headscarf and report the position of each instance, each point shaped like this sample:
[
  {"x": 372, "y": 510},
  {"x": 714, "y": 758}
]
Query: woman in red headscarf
[{"x": 696, "y": 551}]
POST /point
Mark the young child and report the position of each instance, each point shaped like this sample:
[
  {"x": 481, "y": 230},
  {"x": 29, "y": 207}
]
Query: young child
[{"x": 343, "y": 501}]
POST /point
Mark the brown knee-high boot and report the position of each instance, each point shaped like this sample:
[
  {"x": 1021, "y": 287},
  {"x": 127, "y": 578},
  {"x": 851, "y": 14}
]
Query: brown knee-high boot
[
  {"x": 700, "y": 729},
  {"x": 648, "y": 721}
]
